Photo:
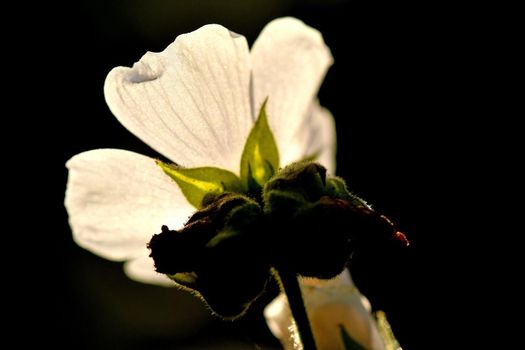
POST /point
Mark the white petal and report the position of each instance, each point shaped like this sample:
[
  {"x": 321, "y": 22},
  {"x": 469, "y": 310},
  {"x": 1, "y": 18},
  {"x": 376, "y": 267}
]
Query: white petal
[
  {"x": 278, "y": 316},
  {"x": 290, "y": 61},
  {"x": 329, "y": 304},
  {"x": 142, "y": 270},
  {"x": 190, "y": 102},
  {"x": 117, "y": 200},
  {"x": 319, "y": 137}
]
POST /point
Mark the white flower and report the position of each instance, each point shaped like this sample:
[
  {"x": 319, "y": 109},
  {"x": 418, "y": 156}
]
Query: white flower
[
  {"x": 330, "y": 304},
  {"x": 195, "y": 103}
]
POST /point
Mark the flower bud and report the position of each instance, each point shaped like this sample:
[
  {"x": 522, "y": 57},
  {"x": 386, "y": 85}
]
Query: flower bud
[
  {"x": 216, "y": 253},
  {"x": 317, "y": 221}
]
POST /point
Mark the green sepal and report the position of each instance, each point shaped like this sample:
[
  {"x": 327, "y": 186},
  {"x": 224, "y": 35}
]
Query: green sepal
[
  {"x": 186, "y": 279},
  {"x": 307, "y": 179},
  {"x": 314, "y": 215},
  {"x": 336, "y": 188},
  {"x": 197, "y": 183},
  {"x": 283, "y": 203},
  {"x": 260, "y": 157}
]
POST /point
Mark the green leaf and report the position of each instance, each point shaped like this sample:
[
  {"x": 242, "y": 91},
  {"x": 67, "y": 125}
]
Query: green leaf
[
  {"x": 350, "y": 344},
  {"x": 196, "y": 183},
  {"x": 385, "y": 331},
  {"x": 260, "y": 157}
]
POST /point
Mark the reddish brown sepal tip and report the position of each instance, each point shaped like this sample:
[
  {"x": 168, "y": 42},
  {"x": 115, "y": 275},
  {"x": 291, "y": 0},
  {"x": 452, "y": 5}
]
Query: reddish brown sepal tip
[{"x": 400, "y": 237}]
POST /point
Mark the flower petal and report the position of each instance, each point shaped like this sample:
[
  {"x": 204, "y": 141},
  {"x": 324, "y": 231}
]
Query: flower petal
[
  {"x": 190, "y": 102},
  {"x": 320, "y": 137},
  {"x": 279, "y": 318},
  {"x": 290, "y": 60},
  {"x": 142, "y": 270},
  {"x": 117, "y": 200},
  {"x": 330, "y": 303}
]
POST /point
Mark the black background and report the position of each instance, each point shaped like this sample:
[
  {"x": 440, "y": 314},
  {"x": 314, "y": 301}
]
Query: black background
[{"x": 402, "y": 92}]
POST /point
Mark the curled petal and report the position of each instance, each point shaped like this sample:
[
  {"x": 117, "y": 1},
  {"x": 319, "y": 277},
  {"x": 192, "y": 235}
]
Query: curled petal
[
  {"x": 117, "y": 200},
  {"x": 329, "y": 304},
  {"x": 190, "y": 102},
  {"x": 290, "y": 61}
]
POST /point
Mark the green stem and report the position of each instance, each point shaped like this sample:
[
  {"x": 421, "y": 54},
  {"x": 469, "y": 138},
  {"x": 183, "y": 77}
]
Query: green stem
[{"x": 290, "y": 286}]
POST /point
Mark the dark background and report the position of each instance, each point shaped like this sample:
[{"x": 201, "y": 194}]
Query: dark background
[{"x": 401, "y": 90}]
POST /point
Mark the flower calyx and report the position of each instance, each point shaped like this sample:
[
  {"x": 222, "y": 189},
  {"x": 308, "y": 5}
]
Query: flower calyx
[
  {"x": 318, "y": 222},
  {"x": 215, "y": 253}
]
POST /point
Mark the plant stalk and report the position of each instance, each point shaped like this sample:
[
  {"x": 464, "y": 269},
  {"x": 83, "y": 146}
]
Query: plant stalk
[{"x": 290, "y": 286}]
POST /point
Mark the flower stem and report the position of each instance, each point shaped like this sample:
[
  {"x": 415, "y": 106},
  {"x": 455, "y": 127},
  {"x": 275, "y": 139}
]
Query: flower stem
[{"x": 290, "y": 286}]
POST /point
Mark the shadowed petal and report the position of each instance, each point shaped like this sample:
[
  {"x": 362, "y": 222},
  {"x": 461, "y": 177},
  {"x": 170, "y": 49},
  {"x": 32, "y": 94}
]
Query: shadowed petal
[
  {"x": 290, "y": 60},
  {"x": 319, "y": 137},
  {"x": 142, "y": 270}
]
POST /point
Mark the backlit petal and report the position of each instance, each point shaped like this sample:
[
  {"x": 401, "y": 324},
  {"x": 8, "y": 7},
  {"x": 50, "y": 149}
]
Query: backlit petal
[
  {"x": 190, "y": 102},
  {"x": 290, "y": 60},
  {"x": 329, "y": 304},
  {"x": 117, "y": 200}
]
